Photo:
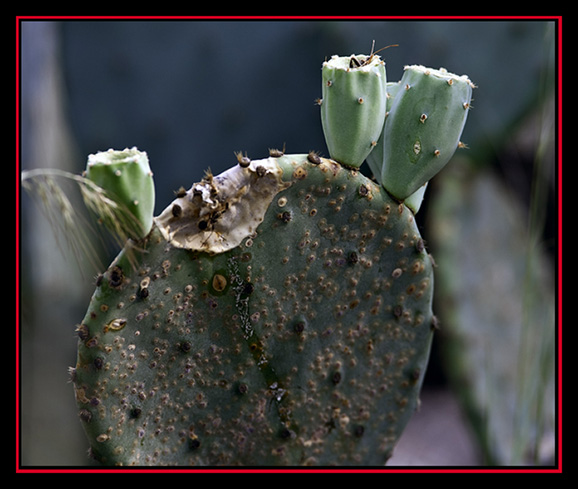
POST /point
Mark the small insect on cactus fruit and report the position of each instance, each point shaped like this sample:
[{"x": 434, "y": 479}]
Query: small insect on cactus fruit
[
  {"x": 353, "y": 106},
  {"x": 279, "y": 313}
]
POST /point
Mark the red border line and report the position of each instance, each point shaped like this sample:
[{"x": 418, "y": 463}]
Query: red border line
[
  {"x": 17, "y": 342},
  {"x": 361, "y": 470},
  {"x": 293, "y": 17},
  {"x": 560, "y": 226}
]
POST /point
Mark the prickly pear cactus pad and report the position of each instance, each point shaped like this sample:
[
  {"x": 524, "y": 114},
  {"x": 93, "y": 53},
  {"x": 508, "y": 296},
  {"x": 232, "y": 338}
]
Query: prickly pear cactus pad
[{"x": 276, "y": 314}]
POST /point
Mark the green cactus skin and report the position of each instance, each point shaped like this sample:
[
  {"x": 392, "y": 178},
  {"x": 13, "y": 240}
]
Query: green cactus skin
[
  {"x": 304, "y": 344},
  {"x": 423, "y": 127},
  {"x": 353, "y": 106},
  {"x": 126, "y": 177},
  {"x": 415, "y": 200},
  {"x": 375, "y": 158}
]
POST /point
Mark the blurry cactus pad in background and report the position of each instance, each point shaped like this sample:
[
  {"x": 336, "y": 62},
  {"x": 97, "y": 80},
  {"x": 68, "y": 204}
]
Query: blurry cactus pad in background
[{"x": 279, "y": 313}]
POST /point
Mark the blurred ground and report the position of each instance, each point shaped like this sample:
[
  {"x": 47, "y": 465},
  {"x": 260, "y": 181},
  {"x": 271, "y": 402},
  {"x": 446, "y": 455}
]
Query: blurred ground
[{"x": 437, "y": 435}]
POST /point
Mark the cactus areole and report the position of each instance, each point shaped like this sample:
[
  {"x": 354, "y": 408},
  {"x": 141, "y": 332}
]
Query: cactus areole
[{"x": 277, "y": 314}]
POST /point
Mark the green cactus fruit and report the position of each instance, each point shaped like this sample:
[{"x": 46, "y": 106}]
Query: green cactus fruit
[
  {"x": 375, "y": 158},
  {"x": 127, "y": 179},
  {"x": 423, "y": 127},
  {"x": 415, "y": 200},
  {"x": 277, "y": 314},
  {"x": 353, "y": 106}
]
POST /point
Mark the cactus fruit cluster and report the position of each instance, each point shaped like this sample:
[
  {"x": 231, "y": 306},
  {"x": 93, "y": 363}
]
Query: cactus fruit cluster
[{"x": 279, "y": 313}]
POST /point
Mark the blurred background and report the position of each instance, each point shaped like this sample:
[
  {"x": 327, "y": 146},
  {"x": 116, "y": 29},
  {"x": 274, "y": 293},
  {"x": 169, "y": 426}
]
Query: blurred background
[{"x": 191, "y": 93}]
